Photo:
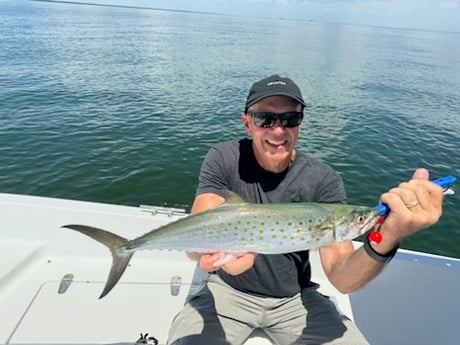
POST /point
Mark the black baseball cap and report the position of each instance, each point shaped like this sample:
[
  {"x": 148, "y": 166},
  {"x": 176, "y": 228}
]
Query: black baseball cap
[{"x": 273, "y": 86}]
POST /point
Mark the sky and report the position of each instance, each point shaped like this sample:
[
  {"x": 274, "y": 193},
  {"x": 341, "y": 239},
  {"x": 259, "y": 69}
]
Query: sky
[{"x": 437, "y": 15}]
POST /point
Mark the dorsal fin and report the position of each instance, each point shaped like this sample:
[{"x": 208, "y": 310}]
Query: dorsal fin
[{"x": 232, "y": 198}]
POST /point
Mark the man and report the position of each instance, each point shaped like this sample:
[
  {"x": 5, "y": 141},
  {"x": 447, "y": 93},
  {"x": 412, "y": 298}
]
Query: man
[{"x": 274, "y": 292}]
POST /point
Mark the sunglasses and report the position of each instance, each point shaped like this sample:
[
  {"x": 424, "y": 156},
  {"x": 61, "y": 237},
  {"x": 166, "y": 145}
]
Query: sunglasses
[{"x": 268, "y": 120}]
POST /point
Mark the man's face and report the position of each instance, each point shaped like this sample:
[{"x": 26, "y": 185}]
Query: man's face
[{"x": 273, "y": 147}]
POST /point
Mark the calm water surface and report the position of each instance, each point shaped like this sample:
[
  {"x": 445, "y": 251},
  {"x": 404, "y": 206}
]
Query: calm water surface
[{"x": 120, "y": 105}]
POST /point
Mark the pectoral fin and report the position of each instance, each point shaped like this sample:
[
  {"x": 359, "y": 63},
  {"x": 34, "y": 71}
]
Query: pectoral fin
[
  {"x": 233, "y": 198},
  {"x": 227, "y": 257}
]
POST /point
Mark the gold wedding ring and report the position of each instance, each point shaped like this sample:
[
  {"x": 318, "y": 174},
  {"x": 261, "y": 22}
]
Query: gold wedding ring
[{"x": 412, "y": 204}]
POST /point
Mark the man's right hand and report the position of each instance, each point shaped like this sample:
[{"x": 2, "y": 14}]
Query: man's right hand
[
  {"x": 236, "y": 266},
  {"x": 233, "y": 267}
]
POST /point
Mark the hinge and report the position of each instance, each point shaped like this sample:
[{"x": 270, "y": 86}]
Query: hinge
[{"x": 169, "y": 211}]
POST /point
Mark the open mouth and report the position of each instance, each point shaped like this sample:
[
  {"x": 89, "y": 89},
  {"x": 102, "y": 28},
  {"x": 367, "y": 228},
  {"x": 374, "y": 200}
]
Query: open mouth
[{"x": 276, "y": 143}]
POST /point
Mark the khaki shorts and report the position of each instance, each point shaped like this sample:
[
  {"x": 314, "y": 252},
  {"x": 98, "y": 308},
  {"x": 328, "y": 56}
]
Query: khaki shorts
[{"x": 219, "y": 314}]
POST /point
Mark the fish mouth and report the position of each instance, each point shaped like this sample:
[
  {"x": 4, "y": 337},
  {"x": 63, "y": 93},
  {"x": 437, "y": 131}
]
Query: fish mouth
[{"x": 370, "y": 222}]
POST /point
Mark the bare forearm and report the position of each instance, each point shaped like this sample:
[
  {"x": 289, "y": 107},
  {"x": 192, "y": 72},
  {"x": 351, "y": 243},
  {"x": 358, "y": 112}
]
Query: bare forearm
[
  {"x": 353, "y": 271},
  {"x": 414, "y": 205},
  {"x": 349, "y": 269}
]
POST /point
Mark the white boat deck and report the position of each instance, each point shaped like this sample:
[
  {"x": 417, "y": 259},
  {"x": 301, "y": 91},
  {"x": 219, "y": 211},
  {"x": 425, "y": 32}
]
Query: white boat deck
[{"x": 415, "y": 300}]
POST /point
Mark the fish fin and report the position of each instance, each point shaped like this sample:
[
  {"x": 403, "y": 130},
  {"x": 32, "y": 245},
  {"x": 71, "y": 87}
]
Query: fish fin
[
  {"x": 232, "y": 198},
  {"x": 120, "y": 259},
  {"x": 227, "y": 257}
]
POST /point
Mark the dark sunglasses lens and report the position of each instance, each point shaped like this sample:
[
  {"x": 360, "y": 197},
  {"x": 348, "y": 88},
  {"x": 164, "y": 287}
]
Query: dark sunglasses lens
[
  {"x": 264, "y": 120},
  {"x": 291, "y": 120},
  {"x": 268, "y": 120}
]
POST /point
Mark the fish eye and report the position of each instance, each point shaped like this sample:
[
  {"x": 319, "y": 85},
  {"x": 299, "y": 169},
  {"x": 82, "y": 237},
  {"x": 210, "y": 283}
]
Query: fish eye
[{"x": 361, "y": 219}]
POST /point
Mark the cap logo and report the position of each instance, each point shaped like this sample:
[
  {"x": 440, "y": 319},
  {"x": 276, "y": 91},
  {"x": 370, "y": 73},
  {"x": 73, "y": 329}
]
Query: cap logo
[{"x": 276, "y": 83}]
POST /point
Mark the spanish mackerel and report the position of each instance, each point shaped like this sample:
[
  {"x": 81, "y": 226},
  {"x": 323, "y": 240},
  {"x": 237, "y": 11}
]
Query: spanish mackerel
[{"x": 239, "y": 227}]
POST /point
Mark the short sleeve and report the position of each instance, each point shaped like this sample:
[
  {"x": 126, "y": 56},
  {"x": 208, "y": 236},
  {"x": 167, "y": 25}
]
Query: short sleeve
[{"x": 216, "y": 170}]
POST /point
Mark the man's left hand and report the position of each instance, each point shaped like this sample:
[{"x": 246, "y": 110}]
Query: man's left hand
[{"x": 414, "y": 205}]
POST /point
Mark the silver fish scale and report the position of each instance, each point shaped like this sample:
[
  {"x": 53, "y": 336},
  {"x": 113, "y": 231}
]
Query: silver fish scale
[{"x": 262, "y": 228}]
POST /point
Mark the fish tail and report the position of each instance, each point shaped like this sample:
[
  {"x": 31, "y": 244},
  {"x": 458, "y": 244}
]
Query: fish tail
[{"x": 120, "y": 259}]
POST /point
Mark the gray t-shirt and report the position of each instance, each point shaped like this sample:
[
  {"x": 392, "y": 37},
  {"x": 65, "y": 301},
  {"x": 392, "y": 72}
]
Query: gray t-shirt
[{"x": 232, "y": 165}]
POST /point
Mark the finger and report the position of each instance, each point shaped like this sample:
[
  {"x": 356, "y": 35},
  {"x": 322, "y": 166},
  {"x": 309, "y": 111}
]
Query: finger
[
  {"x": 421, "y": 174},
  {"x": 406, "y": 194},
  {"x": 397, "y": 207},
  {"x": 427, "y": 192},
  {"x": 413, "y": 195},
  {"x": 207, "y": 260},
  {"x": 421, "y": 192},
  {"x": 240, "y": 265},
  {"x": 417, "y": 196},
  {"x": 429, "y": 196}
]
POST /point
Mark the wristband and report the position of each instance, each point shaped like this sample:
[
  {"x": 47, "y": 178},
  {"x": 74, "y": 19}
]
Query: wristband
[{"x": 383, "y": 258}]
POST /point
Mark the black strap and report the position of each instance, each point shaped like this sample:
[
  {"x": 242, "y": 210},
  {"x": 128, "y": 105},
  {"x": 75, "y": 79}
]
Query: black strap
[{"x": 383, "y": 258}]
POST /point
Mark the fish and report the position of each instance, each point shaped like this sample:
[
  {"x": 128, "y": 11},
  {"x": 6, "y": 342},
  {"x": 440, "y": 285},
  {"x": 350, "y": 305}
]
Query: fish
[{"x": 237, "y": 227}]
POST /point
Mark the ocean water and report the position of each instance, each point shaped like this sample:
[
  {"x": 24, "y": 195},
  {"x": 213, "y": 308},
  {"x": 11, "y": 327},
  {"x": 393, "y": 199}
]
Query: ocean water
[{"x": 120, "y": 105}]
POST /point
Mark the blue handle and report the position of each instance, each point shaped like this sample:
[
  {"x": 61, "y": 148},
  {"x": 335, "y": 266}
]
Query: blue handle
[{"x": 444, "y": 182}]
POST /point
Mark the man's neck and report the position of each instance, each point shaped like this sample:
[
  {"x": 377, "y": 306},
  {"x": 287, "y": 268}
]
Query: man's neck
[{"x": 276, "y": 166}]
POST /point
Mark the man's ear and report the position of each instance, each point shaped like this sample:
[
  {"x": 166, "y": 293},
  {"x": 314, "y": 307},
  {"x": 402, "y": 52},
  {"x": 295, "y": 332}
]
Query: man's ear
[{"x": 245, "y": 120}]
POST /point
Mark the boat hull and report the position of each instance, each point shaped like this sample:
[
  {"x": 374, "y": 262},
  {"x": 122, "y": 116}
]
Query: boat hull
[{"x": 50, "y": 280}]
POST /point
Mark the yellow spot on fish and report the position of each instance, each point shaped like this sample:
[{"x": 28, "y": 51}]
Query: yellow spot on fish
[
  {"x": 261, "y": 238},
  {"x": 274, "y": 236},
  {"x": 298, "y": 231},
  {"x": 261, "y": 231}
]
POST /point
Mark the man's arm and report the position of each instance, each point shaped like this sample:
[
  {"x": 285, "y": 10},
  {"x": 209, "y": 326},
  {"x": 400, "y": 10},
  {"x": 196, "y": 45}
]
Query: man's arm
[
  {"x": 349, "y": 269},
  {"x": 205, "y": 202}
]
